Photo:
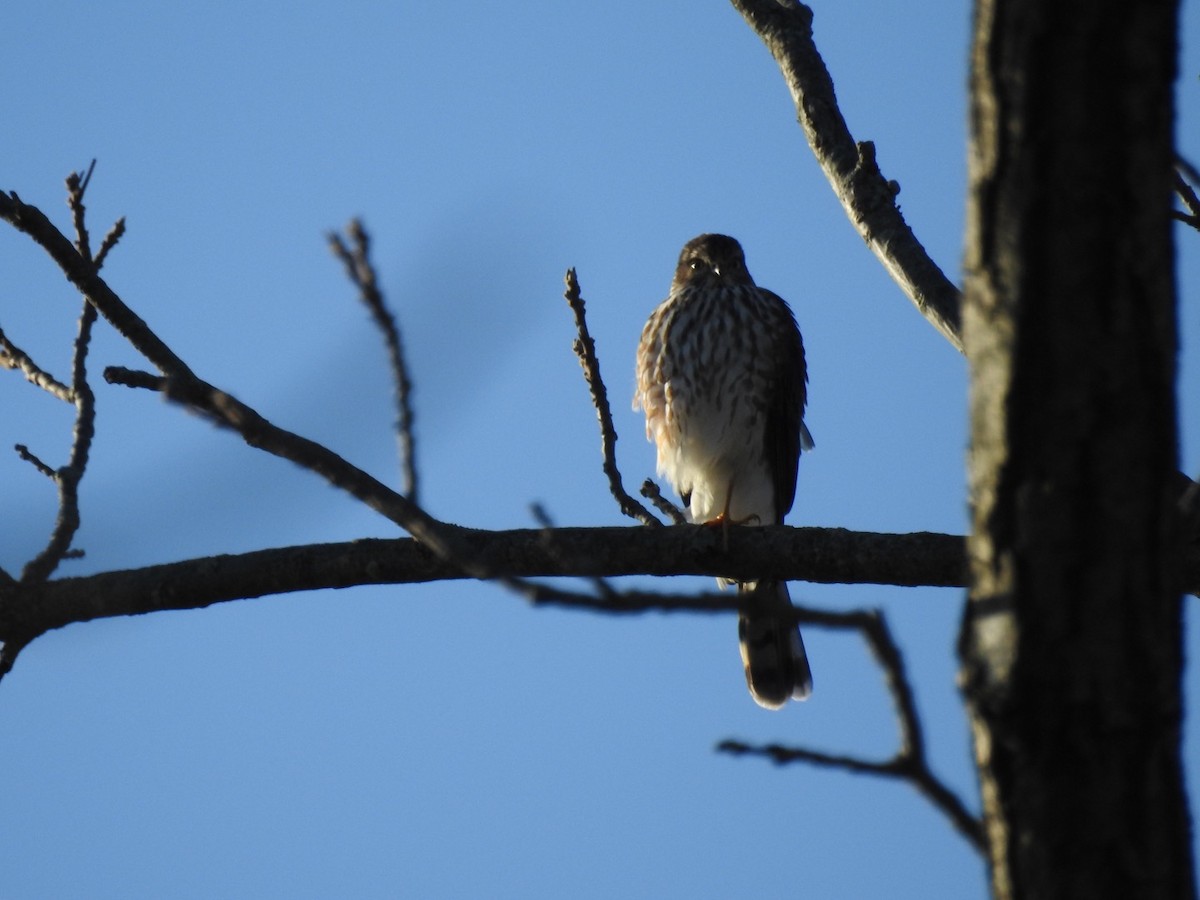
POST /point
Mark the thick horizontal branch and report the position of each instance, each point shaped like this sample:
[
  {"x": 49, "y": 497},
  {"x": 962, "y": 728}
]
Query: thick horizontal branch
[
  {"x": 823, "y": 555},
  {"x": 828, "y": 555}
]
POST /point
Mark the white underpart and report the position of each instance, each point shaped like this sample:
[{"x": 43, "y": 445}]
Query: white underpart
[{"x": 716, "y": 453}]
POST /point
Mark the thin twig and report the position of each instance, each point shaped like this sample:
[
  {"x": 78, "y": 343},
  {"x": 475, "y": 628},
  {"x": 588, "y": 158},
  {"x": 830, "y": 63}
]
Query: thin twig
[
  {"x": 69, "y": 476},
  {"x": 58, "y": 547},
  {"x": 909, "y": 763},
  {"x": 13, "y": 357},
  {"x": 226, "y": 410},
  {"x": 585, "y": 349},
  {"x": 24, "y": 453},
  {"x": 110, "y": 240},
  {"x": 182, "y": 385},
  {"x": 76, "y": 185},
  {"x": 81, "y": 272},
  {"x": 87, "y": 176},
  {"x": 362, "y": 273},
  {"x": 867, "y": 197},
  {"x": 651, "y": 492},
  {"x": 628, "y": 602}
]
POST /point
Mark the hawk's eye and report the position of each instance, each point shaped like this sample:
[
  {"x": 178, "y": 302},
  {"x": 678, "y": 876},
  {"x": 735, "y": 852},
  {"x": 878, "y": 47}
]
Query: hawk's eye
[{"x": 696, "y": 263}]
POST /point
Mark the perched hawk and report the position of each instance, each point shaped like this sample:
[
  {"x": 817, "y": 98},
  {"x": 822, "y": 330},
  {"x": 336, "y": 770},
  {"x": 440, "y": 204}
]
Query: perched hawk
[{"x": 722, "y": 380}]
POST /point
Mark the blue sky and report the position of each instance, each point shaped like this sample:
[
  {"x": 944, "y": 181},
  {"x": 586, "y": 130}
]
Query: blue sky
[{"x": 446, "y": 740}]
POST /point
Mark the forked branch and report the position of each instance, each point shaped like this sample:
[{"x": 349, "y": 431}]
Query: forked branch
[
  {"x": 68, "y": 477},
  {"x": 179, "y": 383},
  {"x": 909, "y": 763}
]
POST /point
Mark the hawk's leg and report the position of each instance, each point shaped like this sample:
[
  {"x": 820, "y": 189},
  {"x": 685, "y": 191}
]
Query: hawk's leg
[{"x": 723, "y": 519}]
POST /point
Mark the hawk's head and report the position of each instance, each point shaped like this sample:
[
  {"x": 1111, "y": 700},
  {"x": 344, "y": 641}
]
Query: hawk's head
[{"x": 712, "y": 258}]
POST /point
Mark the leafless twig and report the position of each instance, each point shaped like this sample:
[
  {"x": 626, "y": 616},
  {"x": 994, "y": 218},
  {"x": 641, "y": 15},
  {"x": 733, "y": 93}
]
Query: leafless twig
[
  {"x": 68, "y": 477},
  {"x": 180, "y": 384},
  {"x": 652, "y": 493},
  {"x": 110, "y": 240},
  {"x": 13, "y": 357},
  {"x": 585, "y": 349},
  {"x": 868, "y": 198},
  {"x": 362, "y": 273},
  {"x": 226, "y": 410},
  {"x": 34, "y": 460},
  {"x": 76, "y": 186},
  {"x": 909, "y": 762},
  {"x": 81, "y": 272}
]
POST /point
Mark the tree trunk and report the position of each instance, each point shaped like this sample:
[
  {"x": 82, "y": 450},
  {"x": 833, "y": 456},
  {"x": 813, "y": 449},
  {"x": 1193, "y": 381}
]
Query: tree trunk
[{"x": 1071, "y": 646}]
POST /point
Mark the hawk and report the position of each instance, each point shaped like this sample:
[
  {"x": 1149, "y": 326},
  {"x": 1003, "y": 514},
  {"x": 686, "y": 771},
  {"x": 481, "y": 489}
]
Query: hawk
[{"x": 723, "y": 383}]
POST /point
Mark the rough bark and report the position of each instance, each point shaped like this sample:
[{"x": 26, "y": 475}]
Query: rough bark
[{"x": 1072, "y": 641}]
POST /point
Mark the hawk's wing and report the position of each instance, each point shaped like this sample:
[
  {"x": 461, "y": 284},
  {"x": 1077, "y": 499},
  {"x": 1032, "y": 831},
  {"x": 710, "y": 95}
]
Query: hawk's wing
[{"x": 786, "y": 435}]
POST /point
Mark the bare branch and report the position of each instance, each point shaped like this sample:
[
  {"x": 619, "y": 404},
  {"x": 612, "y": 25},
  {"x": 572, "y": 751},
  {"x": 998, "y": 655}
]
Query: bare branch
[
  {"x": 826, "y": 555},
  {"x": 651, "y": 492},
  {"x": 785, "y": 26},
  {"x": 13, "y": 357},
  {"x": 29, "y": 457},
  {"x": 362, "y": 273},
  {"x": 87, "y": 176},
  {"x": 226, "y": 410},
  {"x": 82, "y": 273},
  {"x": 910, "y": 763},
  {"x": 807, "y": 554},
  {"x": 110, "y": 240},
  {"x": 943, "y": 799},
  {"x": 136, "y": 378},
  {"x": 68, "y": 477},
  {"x": 585, "y": 349},
  {"x": 76, "y": 185},
  {"x": 58, "y": 547},
  {"x": 182, "y": 386}
]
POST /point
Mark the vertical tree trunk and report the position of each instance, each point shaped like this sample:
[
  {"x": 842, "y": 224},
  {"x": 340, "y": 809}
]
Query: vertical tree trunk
[{"x": 1072, "y": 641}]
